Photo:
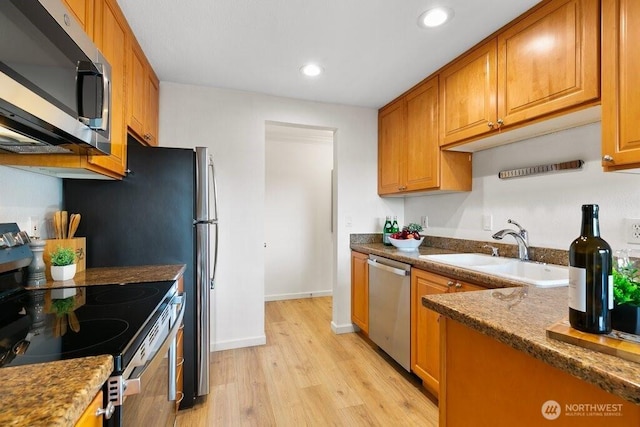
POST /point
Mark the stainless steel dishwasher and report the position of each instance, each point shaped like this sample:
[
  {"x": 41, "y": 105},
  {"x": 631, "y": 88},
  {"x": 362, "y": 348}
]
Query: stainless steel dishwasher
[{"x": 390, "y": 308}]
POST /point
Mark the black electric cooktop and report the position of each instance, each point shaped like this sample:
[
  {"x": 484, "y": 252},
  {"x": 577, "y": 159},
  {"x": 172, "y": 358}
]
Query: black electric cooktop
[{"x": 45, "y": 325}]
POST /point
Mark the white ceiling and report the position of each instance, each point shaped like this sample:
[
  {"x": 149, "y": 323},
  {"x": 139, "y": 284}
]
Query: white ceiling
[{"x": 372, "y": 50}]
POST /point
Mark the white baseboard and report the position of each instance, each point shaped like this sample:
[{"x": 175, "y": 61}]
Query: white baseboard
[
  {"x": 343, "y": 329},
  {"x": 297, "y": 295},
  {"x": 241, "y": 343}
]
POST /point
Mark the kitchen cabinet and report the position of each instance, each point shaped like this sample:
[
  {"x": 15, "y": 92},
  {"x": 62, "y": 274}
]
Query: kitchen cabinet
[
  {"x": 112, "y": 38},
  {"x": 620, "y": 89},
  {"x": 143, "y": 97},
  {"x": 360, "y": 290},
  {"x": 409, "y": 155},
  {"x": 485, "y": 377},
  {"x": 91, "y": 417},
  {"x": 425, "y": 325},
  {"x": 82, "y": 11},
  {"x": 542, "y": 65}
]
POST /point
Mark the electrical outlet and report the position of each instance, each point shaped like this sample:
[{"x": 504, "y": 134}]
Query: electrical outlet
[
  {"x": 632, "y": 230},
  {"x": 424, "y": 221}
]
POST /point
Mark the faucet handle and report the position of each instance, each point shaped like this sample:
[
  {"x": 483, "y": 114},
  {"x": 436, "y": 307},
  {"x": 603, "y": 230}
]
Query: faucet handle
[
  {"x": 510, "y": 221},
  {"x": 494, "y": 250}
]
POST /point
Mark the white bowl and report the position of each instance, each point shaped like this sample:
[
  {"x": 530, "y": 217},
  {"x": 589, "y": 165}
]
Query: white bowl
[{"x": 406, "y": 245}]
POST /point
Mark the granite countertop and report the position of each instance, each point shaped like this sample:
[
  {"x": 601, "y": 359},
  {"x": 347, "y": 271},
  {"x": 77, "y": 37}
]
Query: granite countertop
[
  {"x": 485, "y": 280},
  {"x": 51, "y": 394},
  {"x": 521, "y": 323},
  {"x": 119, "y": 276}
]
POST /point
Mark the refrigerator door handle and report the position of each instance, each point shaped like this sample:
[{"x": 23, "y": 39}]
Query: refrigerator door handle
[{"x": 214, "y": 220}]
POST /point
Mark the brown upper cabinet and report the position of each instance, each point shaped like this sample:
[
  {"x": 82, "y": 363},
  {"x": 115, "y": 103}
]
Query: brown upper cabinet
[
  {"x": 143, "y": 97},
  {"x": 620, "y": 89},
  {"x": 82, "y": 10},
  {"x": 409, "y": 156},
  {"x": 544, "y": 64}
]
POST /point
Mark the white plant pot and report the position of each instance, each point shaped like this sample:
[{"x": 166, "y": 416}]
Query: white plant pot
[{"x": 60, "y": 273}]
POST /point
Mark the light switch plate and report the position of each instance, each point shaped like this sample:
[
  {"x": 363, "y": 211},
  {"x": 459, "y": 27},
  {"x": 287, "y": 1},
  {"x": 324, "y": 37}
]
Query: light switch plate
[{"x": 487, "y": 222}]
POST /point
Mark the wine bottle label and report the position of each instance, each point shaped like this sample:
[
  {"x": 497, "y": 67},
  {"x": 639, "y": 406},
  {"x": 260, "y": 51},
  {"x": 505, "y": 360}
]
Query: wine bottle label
[
  {"x": 578, "y": 289},
  {"x": 610, "y": 285}
]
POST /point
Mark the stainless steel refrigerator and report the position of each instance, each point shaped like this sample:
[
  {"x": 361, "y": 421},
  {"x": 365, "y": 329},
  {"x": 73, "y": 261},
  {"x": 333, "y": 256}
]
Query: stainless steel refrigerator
[{"x": 163, "y": 212}]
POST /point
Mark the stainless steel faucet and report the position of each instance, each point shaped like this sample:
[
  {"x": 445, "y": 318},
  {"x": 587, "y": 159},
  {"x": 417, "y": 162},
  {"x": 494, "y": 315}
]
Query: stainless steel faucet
[{"x": 521, "y": 236}]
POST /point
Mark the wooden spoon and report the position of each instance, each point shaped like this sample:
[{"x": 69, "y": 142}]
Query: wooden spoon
[
  {"x": 64, "y": 226},
  {"x": 73, "y": 225},
  {"x": 56, "y": 223}
]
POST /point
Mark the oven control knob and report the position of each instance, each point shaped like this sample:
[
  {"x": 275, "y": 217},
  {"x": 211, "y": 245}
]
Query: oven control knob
[
  {"x": 9, "y": 240},
  {"x": 107, "y": 412}
]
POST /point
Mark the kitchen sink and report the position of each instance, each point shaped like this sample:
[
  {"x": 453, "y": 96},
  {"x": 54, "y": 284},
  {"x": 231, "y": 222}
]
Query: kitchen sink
[
  {"x": 533, "y": 273},
  {"x": 467, "y": 260}
]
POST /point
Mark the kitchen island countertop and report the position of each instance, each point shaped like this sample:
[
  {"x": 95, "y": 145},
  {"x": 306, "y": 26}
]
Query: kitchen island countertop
[
  {"x": 51, "y": 394},
  {"x": 521, "y": 323}
]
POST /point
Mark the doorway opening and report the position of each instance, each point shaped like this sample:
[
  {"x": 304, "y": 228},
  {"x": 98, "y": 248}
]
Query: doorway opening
[{"x": 299, "y": 249}]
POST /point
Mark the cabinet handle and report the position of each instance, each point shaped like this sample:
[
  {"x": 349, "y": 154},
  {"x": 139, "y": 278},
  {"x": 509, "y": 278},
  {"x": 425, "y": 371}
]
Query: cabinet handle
[
  {"x": 500, "y": 123},
  {"x": 491, "y": 125},
  {"x": 450, "y": 283},
  {"x": 181, "y": 397},
  {"x": 607, "y": 158},
  {"x": 107, "y": 412},
  {"x": 402, "y": 188},
  {"x": 458, "y": 285},
  {"x": 180, "y": 362}
]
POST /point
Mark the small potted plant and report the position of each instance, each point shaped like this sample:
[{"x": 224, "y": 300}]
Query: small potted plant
[
  {"x": 625, "y": 316},
  {"x": 63, "y": 265}
]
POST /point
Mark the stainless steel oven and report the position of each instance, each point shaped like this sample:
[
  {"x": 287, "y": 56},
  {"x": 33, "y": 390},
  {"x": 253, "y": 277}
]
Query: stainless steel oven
[
  {"x": 135, "y": 323},
  {"x": 145, "y": 392}
]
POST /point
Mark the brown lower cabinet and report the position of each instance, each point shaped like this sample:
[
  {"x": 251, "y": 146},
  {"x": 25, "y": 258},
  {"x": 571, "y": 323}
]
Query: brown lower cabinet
[
  {"x": 360, "y": 291},
  {"x": 488, "y": 383},
  {"x": 425, "y": 325},
  {"x": 90, "y": 417}
]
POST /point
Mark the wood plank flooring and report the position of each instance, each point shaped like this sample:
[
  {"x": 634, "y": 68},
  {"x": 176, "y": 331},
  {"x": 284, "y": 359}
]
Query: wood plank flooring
[{"x": 308, "y": 376}]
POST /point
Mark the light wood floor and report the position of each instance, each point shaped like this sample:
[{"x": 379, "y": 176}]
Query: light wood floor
[{"x": 307, "y": 375}]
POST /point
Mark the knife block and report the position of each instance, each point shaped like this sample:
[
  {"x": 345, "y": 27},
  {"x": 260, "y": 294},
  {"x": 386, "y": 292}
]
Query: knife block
[{"x": 79, "y": 246}]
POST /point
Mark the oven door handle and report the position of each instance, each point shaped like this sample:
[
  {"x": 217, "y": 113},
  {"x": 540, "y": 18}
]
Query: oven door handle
[{"x": 134, "y": 385}]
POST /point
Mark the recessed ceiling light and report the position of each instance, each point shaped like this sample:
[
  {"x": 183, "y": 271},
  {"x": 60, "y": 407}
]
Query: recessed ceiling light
[
  {"x": 435, "y": 17},
  {"x": 311, "y": 70}
]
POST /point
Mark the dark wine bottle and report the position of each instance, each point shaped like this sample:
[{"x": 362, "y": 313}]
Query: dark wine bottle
[{"x": 590, "y": 277}]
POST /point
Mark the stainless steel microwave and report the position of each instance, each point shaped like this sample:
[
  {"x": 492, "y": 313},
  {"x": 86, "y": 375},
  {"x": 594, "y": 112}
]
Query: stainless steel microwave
[{"x": 55, "y": 90}]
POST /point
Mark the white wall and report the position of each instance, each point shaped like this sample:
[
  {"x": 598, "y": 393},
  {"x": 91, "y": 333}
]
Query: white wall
[
  {"x": 29, "y": 199},
  {"x": 298, "y": 255},
  {"x": 232, "y": 124},
  {"x": 549, "y": 205}
]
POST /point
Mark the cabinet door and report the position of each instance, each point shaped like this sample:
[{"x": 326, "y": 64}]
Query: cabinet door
[
  {"x": 153, "y": 103},
  {"x": 89, "y": 417},
  {"x": 549, "y": 61},
  {"x": 425, "y": 328},
  {"x": 137, "y": 93},
  {"x": 422, "y": 156},
  {"x": 112, "y": 34},
  {"x": 468, "y": 90},
  {"x": 391, "y": 149},
  {"x": 620, "y": 88},
  {"x": 82, "y": 11},
  {"x": 360, "y": 290}
]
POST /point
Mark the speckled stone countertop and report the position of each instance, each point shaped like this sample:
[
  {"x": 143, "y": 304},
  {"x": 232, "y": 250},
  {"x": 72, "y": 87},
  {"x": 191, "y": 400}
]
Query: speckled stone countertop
[
  {"x": 51, "y": 394},
  {"x": 413, "y": 258},
  {"x": 523, "y": 327},
  {"x": 119, "y": 276}
]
